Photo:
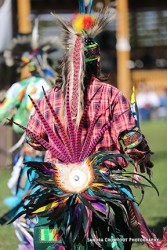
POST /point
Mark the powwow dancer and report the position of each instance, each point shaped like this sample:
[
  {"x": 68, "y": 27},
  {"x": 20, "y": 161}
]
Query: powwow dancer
[
  {"x": 85, "y": 201},
  {"x": 17, "y": 106}
]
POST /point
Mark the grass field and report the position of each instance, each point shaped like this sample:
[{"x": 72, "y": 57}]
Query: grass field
[{"x": 154, "y": 208}]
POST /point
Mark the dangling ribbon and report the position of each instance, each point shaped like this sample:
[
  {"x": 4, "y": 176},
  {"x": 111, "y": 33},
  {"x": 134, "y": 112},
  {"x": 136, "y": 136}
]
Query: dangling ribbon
[
  {"x": 134, "y": 107},
  {"x": 135, "y": 113},
  {"x": 85, "y": 6},
  {"x": 81, "y": 6}
]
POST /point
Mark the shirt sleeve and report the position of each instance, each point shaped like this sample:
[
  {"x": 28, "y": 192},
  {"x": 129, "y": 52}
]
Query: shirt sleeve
[
  {"x": 123, "y": 120},
  {"x": 125, "y": 127}
]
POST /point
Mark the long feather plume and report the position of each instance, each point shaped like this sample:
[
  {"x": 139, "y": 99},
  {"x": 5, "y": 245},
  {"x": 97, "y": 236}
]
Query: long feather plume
[
  {"x": 95, "y": 141},
  {"x": 44, "y": 143},
  {"x": 62, "y": 131},
  {"x": 80, "y": 127},
  {"x": 90, "y": 130},
  {"x": 105, "y": 17},
  {"x": 73, "y": 71},
  {"x": 76, "y": 86},
  {"x": 54, "y": 138},
  {"x": 71, "y": 127}
]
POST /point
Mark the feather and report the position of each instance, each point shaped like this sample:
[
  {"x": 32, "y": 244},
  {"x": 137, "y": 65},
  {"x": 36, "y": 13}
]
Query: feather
[
  {"x": 73, "y": 72},
  {"x": 44, "y": 143},
  {"x": 90, "y": 130},
  {"x": 54, "y": 138},
  {"x": 105, "y": 17},
  {"x": 47, "y": 207},
  {"x": 89, "y": 197},
  {"x": 71, "y": 129},
  {"x": 76, "y": 86},
  {"x": 78, "y": 225},
  {"x": 94, "y": 238},
  {"x": 99, "y": 206},
  {"x": 25, "y": 234},
  {"x": 87, "y": 220},
  {"x": 96, "y": 140},
  {"x": 88, "y": 204},
  {"x": 9, "y": 215},
  {"x": 62, "y": 131},
  {"x": 110, "y": 216},
  {"x": 145, "y": 231},
  {"x": 80, "y": 127}
]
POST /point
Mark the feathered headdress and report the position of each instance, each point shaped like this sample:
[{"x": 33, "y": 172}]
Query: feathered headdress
[{"x": 76, "y": 32}]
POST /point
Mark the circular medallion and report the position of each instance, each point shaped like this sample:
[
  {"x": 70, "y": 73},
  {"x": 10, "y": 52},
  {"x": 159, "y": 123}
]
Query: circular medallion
[{"x": 74, "y": 177}]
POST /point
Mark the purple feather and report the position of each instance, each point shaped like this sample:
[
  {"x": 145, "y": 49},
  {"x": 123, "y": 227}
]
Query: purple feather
[
  {"x": 44, "y": 143},
  {"x": 88, "y": 196},
  {"x": 77, "y": 78},
  {"x": 71, "y": 129},
  {"x": 99, "y": 206},
  {"x": 62, "y": 131},
  {"x": 89, "y": 221},
  {"x": 55, "y": 139},
  {"x": 98, "y": 137},
  {"x": 79, "y": 131},
  {"x": 90, "y": 130}
]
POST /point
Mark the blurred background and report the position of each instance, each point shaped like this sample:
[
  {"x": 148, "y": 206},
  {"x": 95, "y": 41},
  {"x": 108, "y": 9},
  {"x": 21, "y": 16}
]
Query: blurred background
[{"x": 133, "y": 53}]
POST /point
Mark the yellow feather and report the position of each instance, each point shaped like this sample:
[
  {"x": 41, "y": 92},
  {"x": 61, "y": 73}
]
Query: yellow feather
[
  {"x": 49, "y": 206},
  {"x": 97, "y": 185},
  {"x": 46, "y": 208},
  {"x": 78, "y": 23}
]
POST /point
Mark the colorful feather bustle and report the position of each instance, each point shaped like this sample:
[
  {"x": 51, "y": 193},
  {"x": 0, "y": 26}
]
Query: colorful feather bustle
[
  {"x": 74, "y": 210},
  {"x": 81, "y": 188}
]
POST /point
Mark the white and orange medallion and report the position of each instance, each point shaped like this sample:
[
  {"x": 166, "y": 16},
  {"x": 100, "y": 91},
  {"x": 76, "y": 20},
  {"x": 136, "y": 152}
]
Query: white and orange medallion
[{"x": 74, "y": 177}]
